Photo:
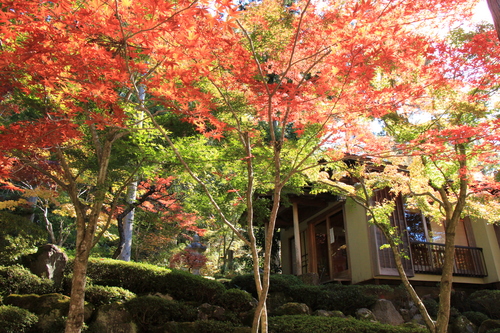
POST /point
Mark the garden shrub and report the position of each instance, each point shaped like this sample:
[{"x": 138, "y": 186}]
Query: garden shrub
[
  {"x": 278, "y": 283},
  {"x": 335, "y": 297},
  {"x": 188, "y": 287},
  {"x": 313, "y": 296},
  {"x": 152, "y": 312},
  {"x": 214, "y": 326},
  {"x": 144, "y": 278},
  {"x": 486, "y": 301},
  {"x": 205, "y": 326},
  {"x": 236, "y": 300},
  {"x": 300, "y": 324},
  {"x": 19, "y": 280},
  {"x": 16, "y": 320},
  {"x": 100, "y": 295},
  {"x": 18, "y": 236},
  {"x": 432, "y": 307},
  {"x": 476, "y": 317}
]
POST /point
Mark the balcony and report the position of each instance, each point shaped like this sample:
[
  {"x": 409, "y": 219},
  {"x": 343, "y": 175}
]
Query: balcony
[{"x": 428, "y": 258}]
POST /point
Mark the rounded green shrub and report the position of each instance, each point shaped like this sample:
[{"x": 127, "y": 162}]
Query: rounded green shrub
[
  {"x": 476, "y": 317},
  {"x": 16, "y": 320},
  {"x": 18, "y": 236},
  {"x": 236, "y": 300},
  {"x": 19, "y": 280},
  {"x": 143, "y": 279},
  {"x": 100, "y": 295},
  {"x": 432, "y": 306},
  {"x": 277, "y": 283},
  {"x": 334, "y": 297},
  {"x": 486, "y": 301},
  {"x": 300, "y": 324},
  {"x": 213, "y": 326},
  {"x": 153, "y": 312}
]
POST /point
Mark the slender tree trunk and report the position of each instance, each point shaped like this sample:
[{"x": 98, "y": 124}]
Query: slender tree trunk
[
  {"x": 84, "y": 240},
  {"x": 494, "y": 6},
  {"x": 431, "y": 325},
  {"x": 446, "y": 284},
  {"x": 128, "y": 225}
]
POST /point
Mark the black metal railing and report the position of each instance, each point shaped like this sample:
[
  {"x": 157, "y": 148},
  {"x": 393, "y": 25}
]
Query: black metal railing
[{"x": 428, "y": 258}]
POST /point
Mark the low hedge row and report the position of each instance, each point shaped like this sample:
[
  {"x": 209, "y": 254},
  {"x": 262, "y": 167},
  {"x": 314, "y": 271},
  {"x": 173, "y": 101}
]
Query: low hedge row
[
  {"x": 16, "y": 320},
  {"x": 300, "y": 324},
  {"x": 143, "y": 279},
  {"x": 19, "y": 280},
  {"x": 331, "y": 297}
]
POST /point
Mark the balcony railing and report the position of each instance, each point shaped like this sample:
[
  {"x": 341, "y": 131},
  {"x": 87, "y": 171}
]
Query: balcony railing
[{"x": 428, "y": 258}]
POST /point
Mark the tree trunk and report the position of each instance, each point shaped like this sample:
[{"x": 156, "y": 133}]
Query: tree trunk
[
  {"x": 75, "y": 319},
  {"x": 494, "y": 6},
  {"x": 406, "y": 283},
  {"x": 446, "y": 284},
  {"x": 128, "y": 225}
]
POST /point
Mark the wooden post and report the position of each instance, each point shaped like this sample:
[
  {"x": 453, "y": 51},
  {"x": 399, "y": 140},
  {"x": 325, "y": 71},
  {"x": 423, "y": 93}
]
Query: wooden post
[{"x": 296, "y": 235}]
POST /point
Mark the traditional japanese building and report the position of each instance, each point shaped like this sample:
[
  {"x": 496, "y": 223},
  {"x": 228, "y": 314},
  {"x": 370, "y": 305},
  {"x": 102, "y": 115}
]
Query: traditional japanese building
[{"x": 330, "y": 236}]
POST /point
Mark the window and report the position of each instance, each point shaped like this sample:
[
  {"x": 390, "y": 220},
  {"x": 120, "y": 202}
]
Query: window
[{"x": 422, "y": 229}]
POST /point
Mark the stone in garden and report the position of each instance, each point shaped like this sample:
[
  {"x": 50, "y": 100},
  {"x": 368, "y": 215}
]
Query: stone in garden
[
  {"x": 418, "y": 319},
  {"x": 386, "y": 313},
  {"x": 207, "y": 311},
  {"x": 48, "y": 262},
  {"x": 463, "y": 325},
  {"x": 324, "y": 313},
  {"x": 365, "y": 314},
  {"x": 292, "y": 308},
  {"x": 114, "y": 318}
]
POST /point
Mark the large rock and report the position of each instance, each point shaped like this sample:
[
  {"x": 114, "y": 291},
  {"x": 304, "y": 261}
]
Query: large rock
[
  {"x": 114, "y": 318},
  {"x": 324, "y": 313},
  {"x": 292, "y": 308},
  {"x": 207, "y": 311},
  {"x": 386, "y": 313},
  {"x": 48, "y": 262},
  {"x": 50, "y": 309},
  {"x": 463, "y": 325},
  {"x": 365, "y": 314}
]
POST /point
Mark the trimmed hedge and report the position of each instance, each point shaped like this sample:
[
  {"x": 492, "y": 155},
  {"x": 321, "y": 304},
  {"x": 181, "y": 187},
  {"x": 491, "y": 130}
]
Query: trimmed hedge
[
  {"x": 100, "y": 295},
  {"x": 278, "y": 283},
  {"x": 337, "y": 297},
  {"x": 144, "y": 278},
  {"x": 236, "y": 300},
  {"x": 486, "y": 301},
  {"x": 301, "y": 324},
  {"x": 152, "y": 312},
  {"x": 19, "y": 280},
  {"x": 16, "y": 320},
  {"x": 475, "y": 317}
]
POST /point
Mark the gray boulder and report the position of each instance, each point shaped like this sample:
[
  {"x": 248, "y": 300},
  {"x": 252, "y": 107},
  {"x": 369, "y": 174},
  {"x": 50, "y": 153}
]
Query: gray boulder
[
  {"x": 207, "y": 311},
  {"x": 324, "y": 313},
  {"x": 386, "y": 313},
  {"x": 365, "y": 314},
  {"x": 463, "y": 325},
  {"x": 48, "y": 262},
  {"x": 292, "y": 308}
]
